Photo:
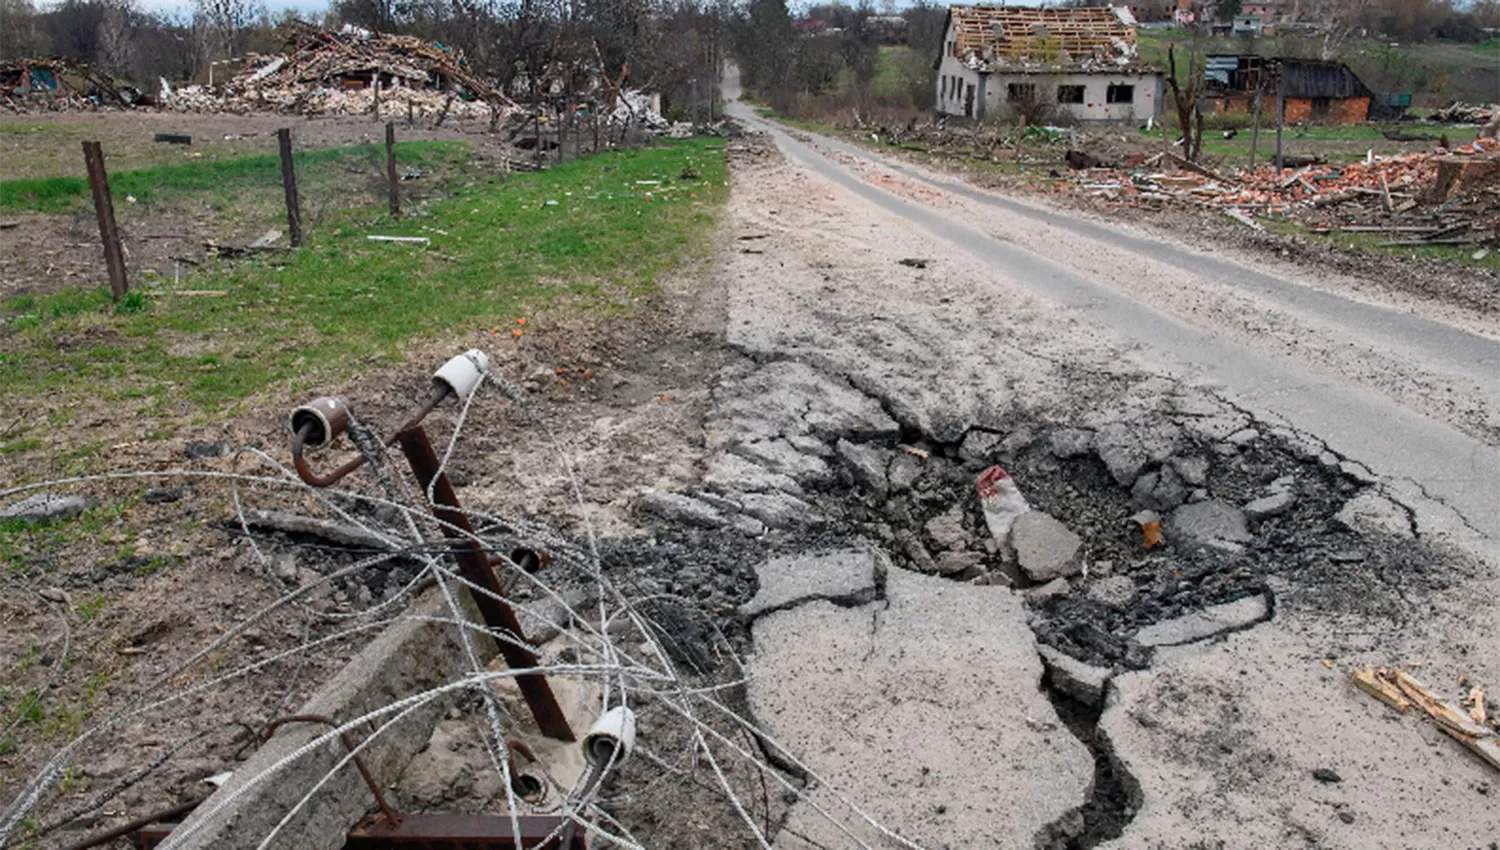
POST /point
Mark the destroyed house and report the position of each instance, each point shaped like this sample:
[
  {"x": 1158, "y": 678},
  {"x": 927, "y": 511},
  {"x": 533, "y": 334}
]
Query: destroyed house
[
  {"x": 1079, "y": 64},
  {"x": 1314, "y": 91},
  {"x": 353, "y": 59},
  {"x": 62, "y": 80}
]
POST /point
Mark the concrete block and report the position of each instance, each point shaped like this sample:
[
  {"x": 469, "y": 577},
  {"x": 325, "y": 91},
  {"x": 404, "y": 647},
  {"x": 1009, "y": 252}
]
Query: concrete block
[
  {"x": 847, "y": 577},
  {"x": 407, "y": 658},
  {"x": 1198, "y": 625}
]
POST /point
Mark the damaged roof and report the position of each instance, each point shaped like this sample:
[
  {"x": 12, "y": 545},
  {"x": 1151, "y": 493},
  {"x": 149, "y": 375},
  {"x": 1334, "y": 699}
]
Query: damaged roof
[{"x": 1018, "y": 38}]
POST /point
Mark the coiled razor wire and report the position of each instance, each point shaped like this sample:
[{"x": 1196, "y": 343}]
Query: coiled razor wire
[{"x": 623, "y": 678}]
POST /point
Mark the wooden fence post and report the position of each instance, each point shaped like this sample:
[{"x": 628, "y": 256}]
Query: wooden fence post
[
  {"x": 390, "y": 168},
  {"x": 104, "y": 209},
  {"x": 289, "y": 186},
  {"x": 1280, "y": 118}
]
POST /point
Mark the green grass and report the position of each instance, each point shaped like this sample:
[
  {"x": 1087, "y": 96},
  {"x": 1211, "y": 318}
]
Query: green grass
[
  {"x": 582, "y": 231},
  {"x": 164, "y": 182},
  {"x": 1374, "y": 243}
]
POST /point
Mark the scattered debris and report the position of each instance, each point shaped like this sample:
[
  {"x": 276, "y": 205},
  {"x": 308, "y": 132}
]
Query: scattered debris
[
  {"x": 1150, "y": 523},
  {"x": 1400, "y": 690},
  {"x": 44, "y": 508},
  {"x": 1327, "y": 774},
  {"x": 912, "y": 262},
  {"x": 415, "y": 240},
  {"x": 1002, "y": 502},
  {"x": 1458, "y": 112}
]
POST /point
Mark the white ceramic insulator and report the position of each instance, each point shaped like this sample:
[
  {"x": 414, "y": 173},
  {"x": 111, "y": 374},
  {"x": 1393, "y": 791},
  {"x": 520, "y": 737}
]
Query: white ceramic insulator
[
  {"x": 614, "y": 730},
  {"x": 463, "y": 372}
]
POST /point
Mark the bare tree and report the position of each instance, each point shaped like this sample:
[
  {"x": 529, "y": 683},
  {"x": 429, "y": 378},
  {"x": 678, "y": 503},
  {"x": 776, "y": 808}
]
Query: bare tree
[
  {"x": 21, "y": 33},
  {"x": 227, "y": 22},
  {"x": 117, "y": 40},
  {"x": 1185, "y": 98}
]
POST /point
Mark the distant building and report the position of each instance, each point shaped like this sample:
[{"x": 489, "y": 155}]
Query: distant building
[
  {"x": 1270, "y": 12},
  {"x": 995, "y": 60},
  {"x": 1247, "y": 25},
  {"x": 1315, "y": 92}
]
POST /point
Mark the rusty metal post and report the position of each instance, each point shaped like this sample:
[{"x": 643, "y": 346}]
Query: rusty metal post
[
  {"x": 475, "y": 567},
  {"x": 390, "y": 168},
  {"x": 104, "y": 210},
  {"x": 289, "y": 186}
]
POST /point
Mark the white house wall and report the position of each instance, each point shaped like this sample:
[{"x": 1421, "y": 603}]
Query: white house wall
[
  {"x": 990, "y": 90},
  {"x": 951, "y": 69}
]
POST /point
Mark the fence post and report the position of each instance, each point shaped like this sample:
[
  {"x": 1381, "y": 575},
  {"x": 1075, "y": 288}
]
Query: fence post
[
  {"x": 289, "y": 185},
  {"x": 104, "y": 209},
  {"x": 390, "y": 168}
]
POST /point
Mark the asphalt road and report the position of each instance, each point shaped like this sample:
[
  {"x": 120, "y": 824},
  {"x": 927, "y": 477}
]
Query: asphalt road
[{"x": 1450, "y": 478}]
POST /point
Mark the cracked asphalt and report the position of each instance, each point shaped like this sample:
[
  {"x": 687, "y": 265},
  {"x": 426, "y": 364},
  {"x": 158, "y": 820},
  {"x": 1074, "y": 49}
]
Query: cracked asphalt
[
  {"x": 1411, "y": 393},
  {"x": 861, "y": 394}
]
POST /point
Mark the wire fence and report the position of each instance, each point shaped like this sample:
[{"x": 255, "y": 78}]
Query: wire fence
[{"x": 641, "y": 675}]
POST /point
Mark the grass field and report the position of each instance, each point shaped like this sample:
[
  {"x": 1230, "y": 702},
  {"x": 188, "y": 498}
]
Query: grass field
[
  {"x": 220, "y": 178},
  {"x": 589, "y": 230}
]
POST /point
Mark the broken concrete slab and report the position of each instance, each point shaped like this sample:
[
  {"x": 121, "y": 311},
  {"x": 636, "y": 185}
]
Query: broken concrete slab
[
  {"x": 1122, "y": 453},
  {"x": 979, "y": 445},
  {"x": 1055, "y": 587},
  {"x": 866, "y": 464},
  {"x": 937, "y": 729},
  {"x": 45, "y": 507},
  {"x": 731, "y": 473},
  {"x": 1083, "y": 682},
  {"x": 1208, "y": 523},
  {"x": 1193, "y": 469},
  {"x": 947, "y": 529},
  {"x": 1071, "y": 442},
  {"x": 1161, "y": 490},
  {"x": 1269, "y": 505},
  {"x": 952, "y": 563},
  {"x": 1224, "y": 741},
  {"x": 1229, "y": 617},
  {"x": 676, "y": 507},
  {"x": 780, "y": 510},
  {"x": 904, "y": 471},
  {"x": 787, "y": 397},
  {"x": 413, "y": 655},
  {"x": 781, "y": 457},
  {"x": 1114, "y": 591},
  {"x": 846, "y": 577},
  {"x": 1045, "y": 548},
  {"x": 1370, "y": 511}
]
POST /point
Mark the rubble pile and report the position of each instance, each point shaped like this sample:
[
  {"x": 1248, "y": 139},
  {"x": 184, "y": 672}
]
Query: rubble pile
[
  {"x": 353, "y": 71},
  {"x": 60, "y": 84},
  {"x": 1430, "y": 198},
  {"x": 1459, "y": 112}
]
